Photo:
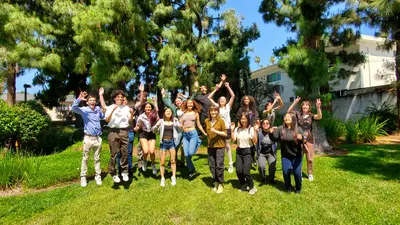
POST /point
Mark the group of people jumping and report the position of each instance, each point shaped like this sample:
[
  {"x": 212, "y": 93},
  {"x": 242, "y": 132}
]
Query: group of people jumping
[{"x": 256, "y": 136}]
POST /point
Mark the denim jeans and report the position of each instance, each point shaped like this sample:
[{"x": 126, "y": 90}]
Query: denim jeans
[
  {"x": 191, "y": 144},
  {"x": 131, "y": 136},
  {"x": 292, "y": 166}
]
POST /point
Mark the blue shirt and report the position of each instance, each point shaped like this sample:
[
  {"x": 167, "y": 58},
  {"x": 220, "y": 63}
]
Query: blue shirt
[{"x": 91, "y": 118}]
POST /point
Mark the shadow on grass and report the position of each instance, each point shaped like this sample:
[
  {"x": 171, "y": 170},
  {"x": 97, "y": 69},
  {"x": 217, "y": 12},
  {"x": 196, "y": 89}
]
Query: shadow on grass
[
  {"x": 379, "y": 160},
  {"x": 208, "y": 181},
  {"x": 125, "y": 184}
]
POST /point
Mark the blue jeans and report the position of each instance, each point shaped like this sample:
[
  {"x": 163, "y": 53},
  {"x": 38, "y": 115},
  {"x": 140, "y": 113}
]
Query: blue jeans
[
  {"x": 191, "y": 144},
  {"x": 292, "y": 166},
  {"x": 131, "y": 136}
]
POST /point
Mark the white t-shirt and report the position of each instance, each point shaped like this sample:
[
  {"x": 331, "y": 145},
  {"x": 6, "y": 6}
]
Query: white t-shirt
[
  {"x": 244, "y": 137},
  {"x": 120, "y": 117},
  {"x": 225, "y": 115}
]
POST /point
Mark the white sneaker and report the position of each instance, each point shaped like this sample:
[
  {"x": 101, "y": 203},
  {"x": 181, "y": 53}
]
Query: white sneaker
[
  {"x": 125, "y": 176},
  {"x": 252, "y": 191},
  {"x": 220, "y": 189},
  {"x": 98, "y": 180},
  {"x": 83, "y": 182},
  {"x": 215, "y": 188},
  {"x": 173, "y": 181},
  {"x": 162, "y": 182},
  {"x": 144, "y": 166},
  {"x": 116, "y": 179},
  {"x": 230, "y": 169},
  {"x": 154, "y": 169},
  {"x": 310, "y": 177}
]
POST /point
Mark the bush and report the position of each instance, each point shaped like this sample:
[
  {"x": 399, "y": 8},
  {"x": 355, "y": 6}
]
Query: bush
[
  {"x": 16, "y": 169},
  {"x": 56, "y": 139},
  {"x": 35, "y": 106},
  {"x": 365, "y": 129},
  {"x": 334, "y": 128},
  {"x": 384, "y": 112},
  {"x": 22, "y": 124}
]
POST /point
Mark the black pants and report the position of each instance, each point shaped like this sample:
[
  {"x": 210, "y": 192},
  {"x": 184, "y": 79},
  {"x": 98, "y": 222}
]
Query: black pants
[
  {"x": 118, "y": 141},
  {"x": 243, "y": 166},
  {"x": 216, "y": 162}
]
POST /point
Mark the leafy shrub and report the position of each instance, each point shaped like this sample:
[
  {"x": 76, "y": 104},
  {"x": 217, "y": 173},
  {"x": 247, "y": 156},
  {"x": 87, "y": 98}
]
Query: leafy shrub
[
  {"x": 56, "y": 139},
  {"x": 351, "y": 131},
  {"x": 370, "y": 127},
  {"x": 35, "y": 106},
  {"x": 384, "y": 112},
  {"x": 16, "y": 169},
  {"x": 334, "y": 128},
  {"x": 22, "y": 124}
]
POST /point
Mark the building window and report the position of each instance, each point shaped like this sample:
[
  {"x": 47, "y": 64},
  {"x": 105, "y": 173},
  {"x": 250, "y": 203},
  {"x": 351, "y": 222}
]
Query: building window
[
  {"x": 274, "y": 77},
  {"x": 291, "y": 99}
]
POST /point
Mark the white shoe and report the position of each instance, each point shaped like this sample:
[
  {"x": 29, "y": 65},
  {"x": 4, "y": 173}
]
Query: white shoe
[
  {"x": 220, "y": 189},
  {"x": 162, "y": 182},
  {"x": 116, "y": 179},
  {"x": 230, "y": 169},
  {"x": 83, "y": 182},
  {"x": 125, "y": 176},
  {"x": 215, "y": 188},
  {"x": 173, "y": 181},
  {"x": 144, "y": 166},
  {"x": 153, "y": 166},
  {"x": 310, "y": 177},
  {"x": 252, "y": 191},
  {"x": 98, "y": 180}
]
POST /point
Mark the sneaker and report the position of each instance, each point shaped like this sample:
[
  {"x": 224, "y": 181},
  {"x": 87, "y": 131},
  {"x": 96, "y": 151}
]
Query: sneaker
[
  {"x": 125, "y": 177},
  {"x": 310, "y": 177},
  {"x": 220, "y": 189},
  {"x": 153, "y": 166},
  {"x": 144, "y": 166},
  {"x": 253, "y": 191},
  {"x": 162, "y": 182},
  {"x": 230, "y": 169},
  {"x": 98, "y": 180},
  {"x": 297, "y": 192},
  {"x": 215, "y": 188},
  {"x": 116, "y": 179},
  {"x": 83, "y": 182},
  {"x": 173, "y": 181}
]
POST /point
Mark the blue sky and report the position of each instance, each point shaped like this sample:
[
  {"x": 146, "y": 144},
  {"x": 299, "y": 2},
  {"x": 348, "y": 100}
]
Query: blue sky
[{"x": 271, "y": 37}]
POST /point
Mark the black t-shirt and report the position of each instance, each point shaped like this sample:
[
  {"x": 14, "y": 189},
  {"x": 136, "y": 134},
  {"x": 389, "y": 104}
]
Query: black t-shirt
[{"x": 290, "y": 146}]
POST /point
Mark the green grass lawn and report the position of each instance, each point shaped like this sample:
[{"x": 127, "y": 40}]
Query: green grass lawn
[{"x": 361, "y": 187}]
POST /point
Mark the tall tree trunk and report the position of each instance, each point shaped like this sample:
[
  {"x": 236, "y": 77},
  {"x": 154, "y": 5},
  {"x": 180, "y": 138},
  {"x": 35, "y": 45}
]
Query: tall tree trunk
[
  {"x": 2, "y": 87},
  {"x": 397, "y": 71},
  {"x": 10, "y": 81}
]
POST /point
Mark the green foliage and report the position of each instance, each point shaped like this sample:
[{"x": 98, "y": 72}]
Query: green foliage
[
  {"x": 34, "y": 105},
  {"x": 384, "y": 112},
  {"x": 17, "y": 168},
  {"x": 56, "y": 139},
  {"x": 365, "y": 129},
  {"x": 335, "y": 129}
]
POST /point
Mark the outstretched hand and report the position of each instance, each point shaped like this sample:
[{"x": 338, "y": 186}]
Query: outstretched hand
[
  {"x": 297, "y": 99},
  {"x": 83, "y": 95},
  {"x": 223, "y": 77},
  {"x": 141, "y": 87},
  {"x": 101, "y": 91},
  {"x": 318, "y": 103}
]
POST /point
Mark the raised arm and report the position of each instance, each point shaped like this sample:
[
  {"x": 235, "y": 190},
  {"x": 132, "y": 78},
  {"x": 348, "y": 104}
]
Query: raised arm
[
  {"x": 291, "y": 108},
  {"x": 232, "y": 99},
  {"x": 255, "y": 136},
  {"x": 319, "y": 111},
  {"x": 75, "y": 108},
  {"x": 211, "y": 95},
  {"x": 279, "y": 100},
  {"x": 102, "y": 102},
  {"x": 155, "y": 103}
]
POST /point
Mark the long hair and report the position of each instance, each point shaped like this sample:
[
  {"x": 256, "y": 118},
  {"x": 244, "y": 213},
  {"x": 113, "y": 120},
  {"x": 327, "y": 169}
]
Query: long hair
[
  {"x": 213, "y": 108},
  {"x": 305, "y": 103},
  {"x": 252, "y": 104},
  {"x": 172, "y": 114},
  {"x": 196, "y": 106},
  {"x": 293, "y": 127},
  {"x": 247, "y": 118},
  {"x": 152, "y": 115}
]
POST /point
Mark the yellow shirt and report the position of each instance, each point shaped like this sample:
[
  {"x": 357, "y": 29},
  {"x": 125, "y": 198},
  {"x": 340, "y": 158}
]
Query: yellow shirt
[{"x": 215, "y": 140}]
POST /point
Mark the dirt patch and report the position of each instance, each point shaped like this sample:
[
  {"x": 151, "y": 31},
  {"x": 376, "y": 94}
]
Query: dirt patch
[{"x": 17, "y": 191}]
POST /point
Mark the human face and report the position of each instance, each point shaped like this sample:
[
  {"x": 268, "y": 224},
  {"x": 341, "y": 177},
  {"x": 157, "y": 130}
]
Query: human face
[
  {"x": 203, "y": 89},
  {"x": 178, "y": 102},
  {"x": 243, "y": 121},
  {"x": 246, "y": 101},
  {"x": 118, "y": 99},
  {"x": 305, "y": 108},
  {"x": 287, "y": 119},
  {"x": 265, "y": 125},
  {"x": 189, "y": 104},
  {"x": 91, "y": 102},
  {"x": 125, "y": 101},
  {"x": 168, "y": 113},
  {"x": 147, "y": 108},
  {"x": 214, "y": 113},
  {"x": 222, "y": 101}
]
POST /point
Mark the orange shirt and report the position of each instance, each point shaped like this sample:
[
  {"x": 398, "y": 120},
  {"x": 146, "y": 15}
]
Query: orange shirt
[{"x": 215, "y": 140}]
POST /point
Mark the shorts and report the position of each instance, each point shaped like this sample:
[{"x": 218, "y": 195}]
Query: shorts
[
  {"x": 147, "y": 135},
  {"x": 228, "y": 132},
  {"x": 167, "y": 145}
]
